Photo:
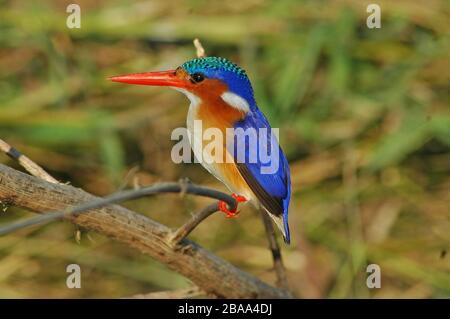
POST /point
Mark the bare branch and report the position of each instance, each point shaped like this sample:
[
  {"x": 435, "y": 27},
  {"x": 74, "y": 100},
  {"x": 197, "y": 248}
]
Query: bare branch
[
  {"x": 217, "y": 276},
  {"x": 33, "y": 168},
  {"x": 276, "y": 253},
  {"x": 190, "y": 225},
  {"x": 124, "y": 196}
]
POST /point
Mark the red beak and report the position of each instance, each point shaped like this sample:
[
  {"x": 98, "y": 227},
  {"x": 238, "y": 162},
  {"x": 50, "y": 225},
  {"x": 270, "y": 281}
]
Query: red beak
[{"x": 164, "y": 78}]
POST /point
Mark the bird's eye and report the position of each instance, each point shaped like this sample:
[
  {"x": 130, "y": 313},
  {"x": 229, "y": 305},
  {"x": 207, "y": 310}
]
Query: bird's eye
[{"x": 197, "y": 77}]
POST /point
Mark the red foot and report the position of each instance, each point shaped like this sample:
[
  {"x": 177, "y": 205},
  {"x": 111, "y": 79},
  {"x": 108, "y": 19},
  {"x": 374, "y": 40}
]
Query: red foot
[{"x": 223, "y": 207}]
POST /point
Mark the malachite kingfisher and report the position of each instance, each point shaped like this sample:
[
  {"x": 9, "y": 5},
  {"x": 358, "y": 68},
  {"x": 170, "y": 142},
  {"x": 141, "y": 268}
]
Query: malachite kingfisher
[{"x": 221, "y": 97}]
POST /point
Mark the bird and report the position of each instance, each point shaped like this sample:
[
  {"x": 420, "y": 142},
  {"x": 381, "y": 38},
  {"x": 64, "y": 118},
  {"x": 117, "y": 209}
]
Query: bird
[{"x": 221, "y": 97}]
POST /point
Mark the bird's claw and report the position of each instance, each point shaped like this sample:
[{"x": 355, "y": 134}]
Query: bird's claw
[
  {"x": 223, "y": 207},
  {"x": 231, "y": 213},
  {"x": 238, "y": 198}
]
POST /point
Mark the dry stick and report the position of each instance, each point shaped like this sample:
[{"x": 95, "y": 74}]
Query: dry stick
[
  {"x": 199, "y": 47},
  {"x": 128, "y": 195},
  {"x": 183, "y": 187},
  {"x": 33, "y": 168},
  {"x": 195, "y": 220},
  {"x": 176, "y": 237},
  {"x": 217, "y": 276},
  {"x": 276, "y": 254}
]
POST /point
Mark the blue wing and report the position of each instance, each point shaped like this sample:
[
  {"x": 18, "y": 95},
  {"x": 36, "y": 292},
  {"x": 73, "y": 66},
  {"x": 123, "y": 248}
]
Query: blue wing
[{"x": 263, "y": 166}]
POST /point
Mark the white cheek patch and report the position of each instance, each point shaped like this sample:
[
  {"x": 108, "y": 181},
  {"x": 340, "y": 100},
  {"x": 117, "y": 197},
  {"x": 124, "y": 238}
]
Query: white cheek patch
[
  {"x": 195, "y": 100},
  {"x": 236, "y": 101}
]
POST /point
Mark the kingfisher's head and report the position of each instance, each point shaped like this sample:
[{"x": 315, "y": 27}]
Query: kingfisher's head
[{"x": 207, "y": 78}]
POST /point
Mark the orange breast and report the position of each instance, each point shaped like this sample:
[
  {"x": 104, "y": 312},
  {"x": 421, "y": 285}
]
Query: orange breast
[{"x": 215, "y": 113}]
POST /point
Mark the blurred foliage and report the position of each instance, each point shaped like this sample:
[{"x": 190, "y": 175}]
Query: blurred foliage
[{"x": 364, "y": 119}]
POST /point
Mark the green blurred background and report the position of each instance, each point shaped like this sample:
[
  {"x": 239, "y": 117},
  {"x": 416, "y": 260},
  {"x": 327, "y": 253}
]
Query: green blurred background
[{"x": 363, "y": 114}]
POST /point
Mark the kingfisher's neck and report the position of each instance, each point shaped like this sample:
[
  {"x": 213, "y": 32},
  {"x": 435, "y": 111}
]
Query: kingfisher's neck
[
  {"x": 215, "y": 113},
  {"x": 217, "y": 107}
]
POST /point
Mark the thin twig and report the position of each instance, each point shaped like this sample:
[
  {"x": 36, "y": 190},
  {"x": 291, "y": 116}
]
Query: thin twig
[
  {"x": 120, "y": 197},
  {"x": 190, "y": 225},
  {"x": 200, "y": 50},
  {"x": 276, "y": 254},
  {"x": 33, "y": 168},
  {"x": 130, "y": 176}
]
